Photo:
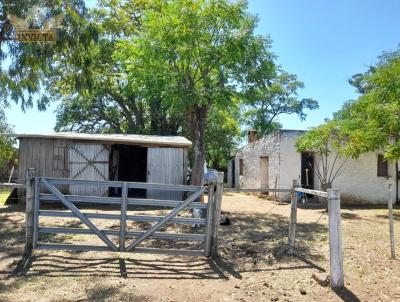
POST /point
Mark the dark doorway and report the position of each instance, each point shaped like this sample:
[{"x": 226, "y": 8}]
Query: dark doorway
[
  {"x": 132, "y": 167},
  {"x": 307, "y": 170}
]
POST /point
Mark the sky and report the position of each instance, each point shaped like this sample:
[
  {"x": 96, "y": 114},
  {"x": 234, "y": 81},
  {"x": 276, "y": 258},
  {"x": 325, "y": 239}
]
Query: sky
[{"x": 323, "y": 42}]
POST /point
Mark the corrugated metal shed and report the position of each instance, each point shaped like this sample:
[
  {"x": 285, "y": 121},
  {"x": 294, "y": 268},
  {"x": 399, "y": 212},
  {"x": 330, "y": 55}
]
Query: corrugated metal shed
[
  {"x": 139, "y": 158},
  {"x": 126, "y": 139}
]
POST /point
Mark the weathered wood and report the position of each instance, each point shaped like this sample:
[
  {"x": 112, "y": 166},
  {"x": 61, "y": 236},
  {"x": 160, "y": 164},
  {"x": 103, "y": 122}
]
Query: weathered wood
[
  {"x": 217, "y": 213},
  {"x": 335, "y": 240},
  {"x": 391, "y": 226},
  {"x": 313, "y": 192},
  {"x": 9, "y": 185},
  {"x": 293, "y": 221},
  {"x": 210, "y": 222},
  {"x": 29, "y": 217}
]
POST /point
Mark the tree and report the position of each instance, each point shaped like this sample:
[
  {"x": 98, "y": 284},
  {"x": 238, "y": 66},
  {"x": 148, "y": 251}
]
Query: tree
[
  {"x": 6, "y": 142},
  {"x": 25, "y": 67},
  {"x": 268, "y": 97},
  {"x": 373, "y": 120},
  {"x": 200, "y": 50},
  {"x": 222, "y": 135},
  {"x": 329, "y": 142}
]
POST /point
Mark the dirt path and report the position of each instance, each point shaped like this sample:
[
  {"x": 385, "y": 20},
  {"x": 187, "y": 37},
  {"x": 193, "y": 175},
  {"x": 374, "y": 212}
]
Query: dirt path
[{"x": 249, "y": 269}]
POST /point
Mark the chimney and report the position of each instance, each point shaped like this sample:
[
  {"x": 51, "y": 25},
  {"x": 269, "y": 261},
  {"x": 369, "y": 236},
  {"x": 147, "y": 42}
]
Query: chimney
[{"x": 251, "y": 136}]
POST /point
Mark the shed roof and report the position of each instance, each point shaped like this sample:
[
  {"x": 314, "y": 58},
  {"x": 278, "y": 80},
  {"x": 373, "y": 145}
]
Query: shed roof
[{"x": 127, "y": 139}]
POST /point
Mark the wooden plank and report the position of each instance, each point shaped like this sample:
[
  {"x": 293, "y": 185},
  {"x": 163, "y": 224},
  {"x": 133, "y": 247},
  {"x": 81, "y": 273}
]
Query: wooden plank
[
  {"x": 292, "y": 225},
  {"x": 22, "y": 161},
  {"x": 210, "y": 221},
  {"x": 8, "y": 185},
  {"x": 217, "y": 213},
  {"x": 391, "y": 225},
  {"x": 313, "y": 192},
  {"x": 335, "y": 240},
  {"x": 29, "y": 217}
]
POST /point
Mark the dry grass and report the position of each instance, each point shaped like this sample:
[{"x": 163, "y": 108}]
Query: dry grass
[
  {"x": 251, "y": 267},
  {"x": 3, "y": 196}
]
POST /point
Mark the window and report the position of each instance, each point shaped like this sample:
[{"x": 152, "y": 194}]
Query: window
[
  {"x": 241, "y": 166},
  {"x": 382, "y": 166}
]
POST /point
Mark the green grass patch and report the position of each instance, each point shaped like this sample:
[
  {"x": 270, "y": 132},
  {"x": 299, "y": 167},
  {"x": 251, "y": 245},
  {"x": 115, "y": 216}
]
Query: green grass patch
[{"x": 4, "y": 195}]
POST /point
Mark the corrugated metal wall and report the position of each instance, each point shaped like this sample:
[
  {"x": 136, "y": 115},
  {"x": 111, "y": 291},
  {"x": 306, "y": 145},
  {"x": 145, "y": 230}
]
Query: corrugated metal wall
[
  {"x": 165, "y": 166},
  {"x": 91, "y": 162}
]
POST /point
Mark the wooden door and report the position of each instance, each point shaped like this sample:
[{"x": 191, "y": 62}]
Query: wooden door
[
  {"x": 89, "y": 162},
  {"x": 264, "y": 172}
]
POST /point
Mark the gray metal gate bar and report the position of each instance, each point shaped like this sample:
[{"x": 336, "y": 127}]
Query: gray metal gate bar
[
  {"x": 36, "y": 212},
  {"x": 117, "y": 201},
  {"x": 156, "y": 235},
  {"x": 172, "y": 214},
  {"x": 78, "y": 214},
  {"x": 122, "y": 227},
  {"x": 141, "y": 218},
  {"x": 69, "y": 201}
]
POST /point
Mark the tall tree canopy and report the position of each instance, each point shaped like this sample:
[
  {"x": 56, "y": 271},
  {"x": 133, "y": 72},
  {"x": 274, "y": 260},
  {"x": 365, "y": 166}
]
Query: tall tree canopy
[
  {"x": 155, "y": 67},
  {"x": 373, "y": 120}
]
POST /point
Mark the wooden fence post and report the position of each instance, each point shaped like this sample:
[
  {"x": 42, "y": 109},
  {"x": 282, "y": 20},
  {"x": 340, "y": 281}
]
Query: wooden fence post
[
  {"x": 293, "y": 220},
  {"x": 210, "y": 220},
  {"x": 391, "y": 226},
  {"x": 29, "y": 209},
  {"x": 217, "y": 213},
  {"x": 335, "y": 240}
]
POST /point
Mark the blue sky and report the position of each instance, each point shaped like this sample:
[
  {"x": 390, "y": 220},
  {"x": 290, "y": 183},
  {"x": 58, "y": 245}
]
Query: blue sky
[{"x": 323, "y": 42}]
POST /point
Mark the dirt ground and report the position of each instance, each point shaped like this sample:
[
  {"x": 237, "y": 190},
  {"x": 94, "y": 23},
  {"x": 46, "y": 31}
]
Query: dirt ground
[{"x": 251, "y": 266}]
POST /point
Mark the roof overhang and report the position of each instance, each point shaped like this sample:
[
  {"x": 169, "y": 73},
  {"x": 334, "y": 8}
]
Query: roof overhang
[{"x": 125, "y": 139}]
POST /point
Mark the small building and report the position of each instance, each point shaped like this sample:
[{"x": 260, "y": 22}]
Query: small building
[
  {"x": 119, "y": 157},
  {"x": 273, "y": 162}
]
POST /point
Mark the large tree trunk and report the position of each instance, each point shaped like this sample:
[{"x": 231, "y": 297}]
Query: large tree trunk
[{"x": 198, "y": 121}]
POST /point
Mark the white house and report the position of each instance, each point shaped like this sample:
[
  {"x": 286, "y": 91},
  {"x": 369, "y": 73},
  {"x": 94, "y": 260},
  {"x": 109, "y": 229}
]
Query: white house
[{"x": 273, "y": 161}]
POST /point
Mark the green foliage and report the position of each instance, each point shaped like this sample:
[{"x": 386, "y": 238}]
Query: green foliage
[
  {"x": 222, "y": 136},
  {"x": 372, "y": 122},
  {"x": 329, "y": 142},
  {"x": 181, "y": 67},
  {"x": 6, "y": 143},
  {"x": 268, "y": 97},
  {"x": 29, "y": 66}
]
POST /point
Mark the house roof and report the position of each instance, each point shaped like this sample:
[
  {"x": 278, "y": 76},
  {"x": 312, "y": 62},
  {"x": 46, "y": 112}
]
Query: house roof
[{"x": 127, "y": 139}]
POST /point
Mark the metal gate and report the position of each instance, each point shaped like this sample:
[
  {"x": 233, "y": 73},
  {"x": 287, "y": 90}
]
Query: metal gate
[{"x": 122, "y": 235}]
